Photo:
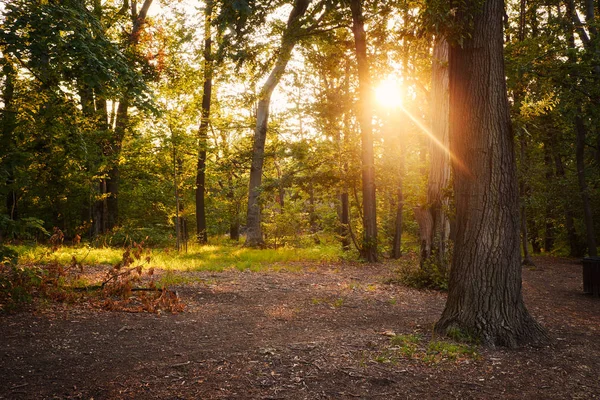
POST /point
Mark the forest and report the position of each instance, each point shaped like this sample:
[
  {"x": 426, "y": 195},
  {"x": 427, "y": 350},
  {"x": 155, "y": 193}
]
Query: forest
[{"x": 377, "y": 191}]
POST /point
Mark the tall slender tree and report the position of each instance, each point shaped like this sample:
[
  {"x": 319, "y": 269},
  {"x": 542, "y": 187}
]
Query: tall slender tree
[
  {"x": 254, "y": 236},
  {"x": 369, "y": 247},
  {"x": 201, "y": 232}
]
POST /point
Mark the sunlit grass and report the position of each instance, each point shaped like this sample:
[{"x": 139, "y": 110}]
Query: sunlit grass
[{"x": 216, "y": 257}]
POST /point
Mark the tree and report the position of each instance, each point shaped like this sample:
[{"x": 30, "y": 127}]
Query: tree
[
  {"x": 485, "y": 298},
  {"x": 254, "y": 236},
  {"x": 201, "y": 233},
  {"x": 369, "y": 248},
  {"x": 433, "y": 219}
]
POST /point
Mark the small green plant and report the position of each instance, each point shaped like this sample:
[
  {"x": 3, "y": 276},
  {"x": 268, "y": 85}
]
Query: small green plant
[
  {"x": 413, "y": 347},
  {"x": 457, "y": 334},
  {"x": 442, "y": 350},
  {"x": 338, "y": 303}
]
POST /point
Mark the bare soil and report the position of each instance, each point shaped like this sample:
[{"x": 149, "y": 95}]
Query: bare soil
[{"x": 313, "y": 334}]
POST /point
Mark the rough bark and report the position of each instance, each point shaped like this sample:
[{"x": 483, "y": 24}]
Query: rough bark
[
  {"x": 435, "y": 242},
  {"x": 254, "y": 236},
  {"x": 201, "y": 231},
  {"x": 485, "y": 294},
  {"x": 369, "y": 247}
]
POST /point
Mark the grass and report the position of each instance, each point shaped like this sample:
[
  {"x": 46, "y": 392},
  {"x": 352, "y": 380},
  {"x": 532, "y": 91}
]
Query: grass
[
  {"x": 414, "y": 347},
  {"x": 216, "y": 257}
]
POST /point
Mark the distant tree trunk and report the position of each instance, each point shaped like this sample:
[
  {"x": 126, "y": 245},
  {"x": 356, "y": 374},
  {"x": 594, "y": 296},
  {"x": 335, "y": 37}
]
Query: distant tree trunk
[
  {"x": 345, "y": 220},
  {"x": 550, "y": 229},
  {"x": 397, "y": 241},
  {"x": 254, "y": 236},
  {"x": 523, "y": 187},
  {"x": 369, "y": 249},
  {"x": 201, "y": 232},
  {"x": 110, "y": 206},
  {"x": 9, "y": 123},
  {"x": 583, "y": 187},
  {"x": 524, "y": 192},
  {"x": 575, "y": 247},
  {"x": 484, "y": 298},
  {"x": 435, "y": 227}
]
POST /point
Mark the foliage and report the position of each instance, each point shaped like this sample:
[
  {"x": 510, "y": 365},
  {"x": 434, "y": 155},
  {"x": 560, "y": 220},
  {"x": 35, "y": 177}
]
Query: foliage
[
  {"x": 27, "y": 228},
  {"x": 427, "y": 275},
  {"x": 21, "y": 284}
]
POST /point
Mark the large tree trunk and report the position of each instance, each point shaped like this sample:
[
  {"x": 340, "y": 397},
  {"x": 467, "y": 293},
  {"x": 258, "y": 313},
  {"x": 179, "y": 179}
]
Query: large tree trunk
[
  {"x": 369, "y": 247},
  {"x": 435, "y": 232},
  {"x": 485, "y": 294},
  {"x": 201, "y": 232},
  {"x": 254, "y": 236}
]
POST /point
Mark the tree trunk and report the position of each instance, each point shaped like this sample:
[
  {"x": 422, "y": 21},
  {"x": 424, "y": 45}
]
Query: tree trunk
[
  {"x": 575, "y": 246},
  {"x": 583, "y": 188},
  {"x": 397, "y": 241},
  {"x": 254, "y": 236},
  {"x": 523, "y": 193},
  {"x": 9, "y": 123},
  {"x": 435, "y": 243},
  {"x": 201, "y": 232},
  {"x": 369, "y": 249},
  {"x": 345, "y": 220},
  {"x": 550, "y": 228},
  {"x": 110, "y": 208},
  {"x": 485, "y": 294}
]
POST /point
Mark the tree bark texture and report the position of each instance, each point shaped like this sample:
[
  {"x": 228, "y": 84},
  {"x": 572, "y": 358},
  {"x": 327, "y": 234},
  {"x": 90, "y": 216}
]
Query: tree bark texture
[
  {"x": 254, "y": 236},
  {"x": 201, "y": 228},
  {"x": 369, "y": 249},
  {"x": 485, "y": 294},
  {"x": 435, "y": 242}
]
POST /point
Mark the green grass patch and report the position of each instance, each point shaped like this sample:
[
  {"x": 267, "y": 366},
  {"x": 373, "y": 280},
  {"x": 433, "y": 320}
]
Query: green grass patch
[
  {"x": 414, "y": 347},
  {"x": 218, "y": 257}
]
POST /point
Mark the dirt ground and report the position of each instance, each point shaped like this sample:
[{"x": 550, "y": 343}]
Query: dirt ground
[{"x": 313, "y": 334}]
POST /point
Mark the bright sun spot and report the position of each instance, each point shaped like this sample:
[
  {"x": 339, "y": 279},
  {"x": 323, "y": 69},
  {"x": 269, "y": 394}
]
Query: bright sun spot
[{"x": 388, "y": 93}]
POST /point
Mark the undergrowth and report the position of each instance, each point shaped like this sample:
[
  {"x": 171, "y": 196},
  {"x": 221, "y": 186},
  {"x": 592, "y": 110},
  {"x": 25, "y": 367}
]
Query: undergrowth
[
  {"x": 428, "y": 275},
  {"x": 120, "y": 289}
]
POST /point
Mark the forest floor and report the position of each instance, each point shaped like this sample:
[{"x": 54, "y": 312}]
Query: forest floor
[{"x": 321, "y": 332}]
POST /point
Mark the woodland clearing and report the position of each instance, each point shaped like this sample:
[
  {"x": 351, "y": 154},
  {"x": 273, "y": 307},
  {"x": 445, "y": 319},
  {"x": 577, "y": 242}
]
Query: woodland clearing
[{"x": 319, "y": 331}]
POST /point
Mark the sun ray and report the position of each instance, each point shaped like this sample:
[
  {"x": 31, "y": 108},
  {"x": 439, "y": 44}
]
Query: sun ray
[{"x": 457, "y": 162}]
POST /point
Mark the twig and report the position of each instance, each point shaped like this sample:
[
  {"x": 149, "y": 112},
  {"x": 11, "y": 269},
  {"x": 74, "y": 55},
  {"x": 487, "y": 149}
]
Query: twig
[{"x": 19, "y": 386}]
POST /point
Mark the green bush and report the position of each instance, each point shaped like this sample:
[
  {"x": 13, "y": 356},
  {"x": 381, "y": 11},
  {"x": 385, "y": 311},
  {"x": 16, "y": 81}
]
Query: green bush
[{"x": 428, "y": 275}]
